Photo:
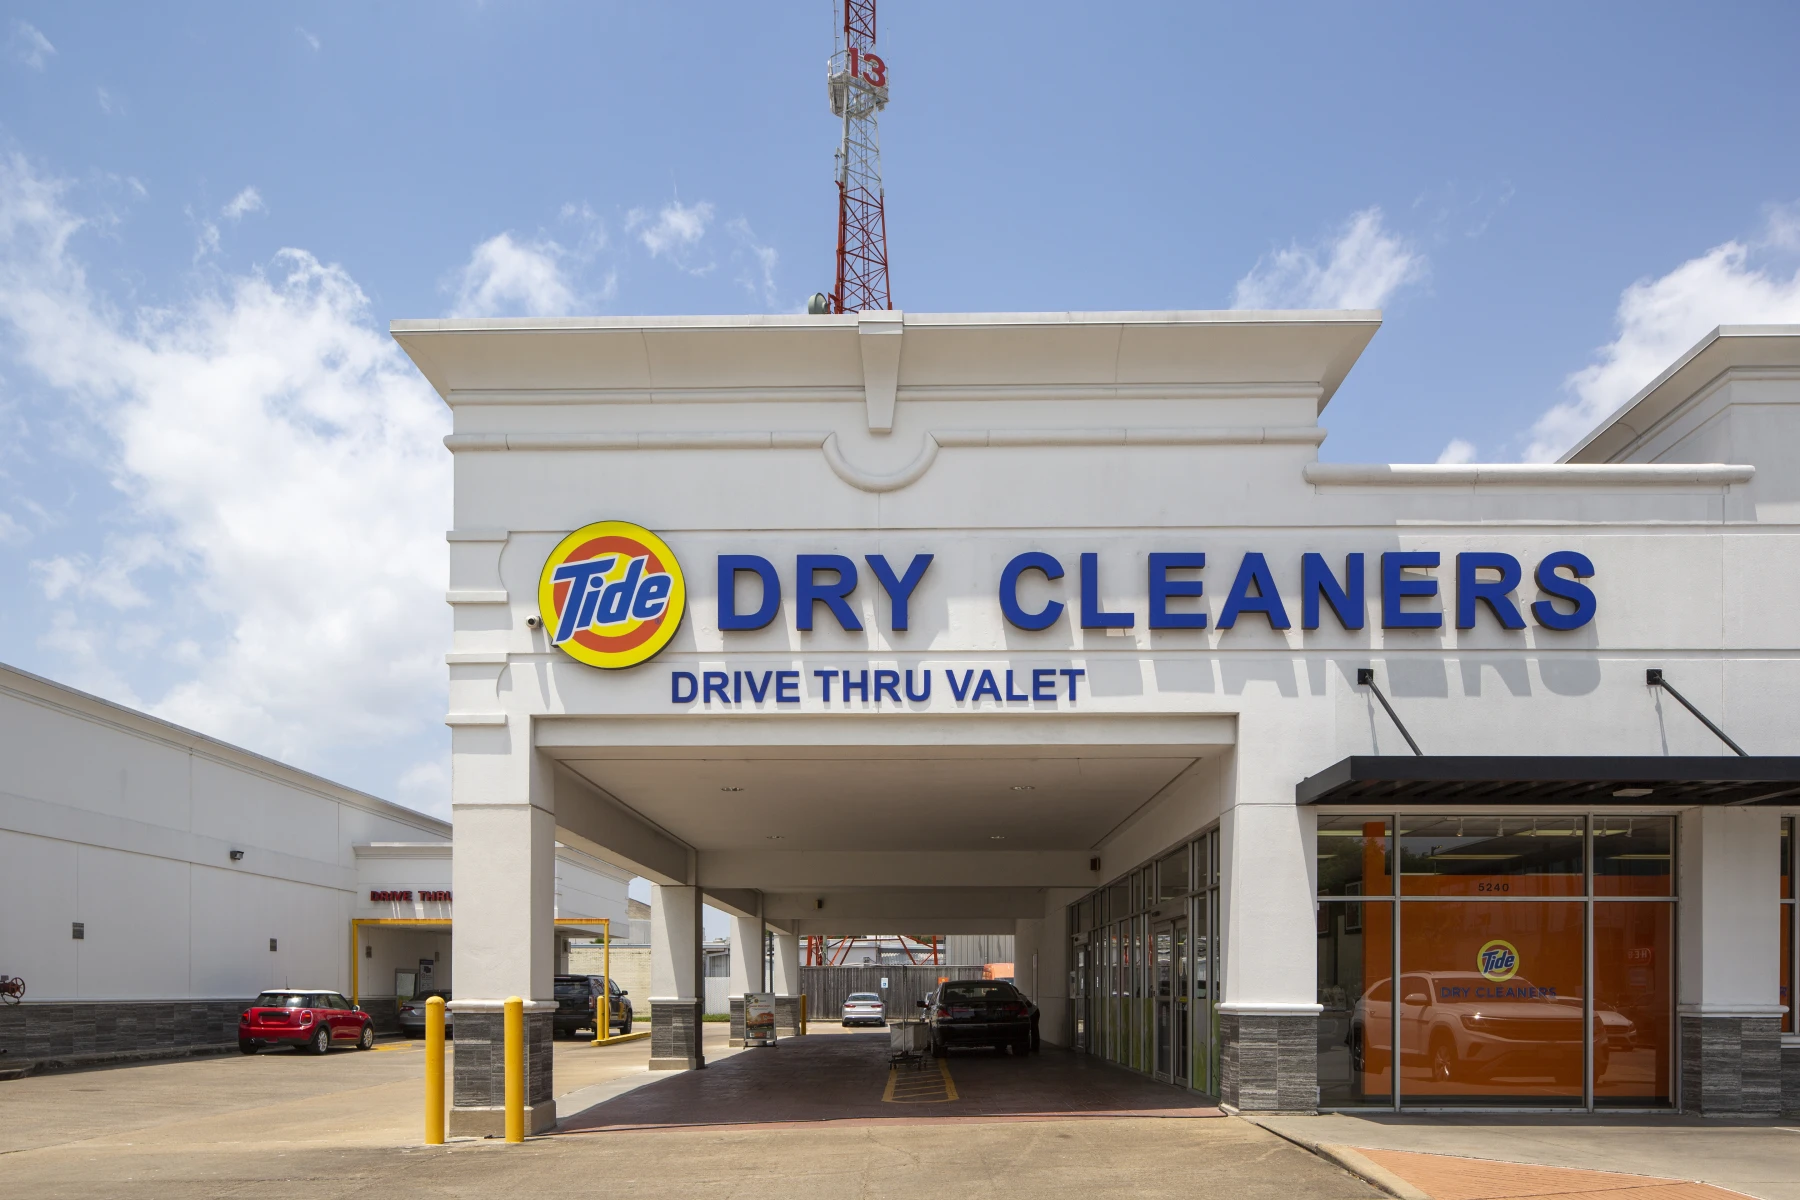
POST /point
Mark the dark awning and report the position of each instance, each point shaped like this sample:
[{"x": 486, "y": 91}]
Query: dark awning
[{"x": 1382, "y": 781}]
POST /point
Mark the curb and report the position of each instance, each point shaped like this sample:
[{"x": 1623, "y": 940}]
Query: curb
[{"x": 1343, "y": 1156}]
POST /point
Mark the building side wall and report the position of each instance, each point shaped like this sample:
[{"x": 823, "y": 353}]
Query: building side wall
[{"x": 131, "y": 836}]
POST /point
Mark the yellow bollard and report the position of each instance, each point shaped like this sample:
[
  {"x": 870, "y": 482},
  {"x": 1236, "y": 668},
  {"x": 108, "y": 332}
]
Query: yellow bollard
[
  {"x": 434, "y": 1071},
  {"x": 515, "y": 1069}
]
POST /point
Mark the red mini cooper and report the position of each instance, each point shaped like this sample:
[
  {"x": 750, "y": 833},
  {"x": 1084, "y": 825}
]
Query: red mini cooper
[{"x": 304, "y": 1019}]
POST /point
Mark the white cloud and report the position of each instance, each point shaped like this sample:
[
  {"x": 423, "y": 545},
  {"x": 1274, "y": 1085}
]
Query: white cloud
[
  {"x": 507, "y": 277},
  {"x": 12, "y": 532},
  {"x": 1660, "y": 319},
  {"x": 1457, "y": 451},
  {"x": 674, "y": 232},
  {"x": 30, "y": 46},
  {"x": 1361, "y": 266},
  {"x": 247, "y": 201},
  {"x": 110, "y": 104},
  {"x": 206, "y": 239},
  {"x": 312, "y": 39},
  {"x": 283, "y": 485},
  {"x": 757, "y": 262}
]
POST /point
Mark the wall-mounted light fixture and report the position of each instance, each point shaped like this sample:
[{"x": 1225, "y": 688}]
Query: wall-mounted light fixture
[
  {"x": 271, "y": 945},
  {"x": 78, "y": 930},
  {"x": 368, "y": 952}
]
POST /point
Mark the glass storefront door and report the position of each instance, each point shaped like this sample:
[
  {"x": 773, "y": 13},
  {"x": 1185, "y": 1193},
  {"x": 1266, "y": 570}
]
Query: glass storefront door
[
  {"x": 1144, "y": 967},
  {"x": 1163, "y": 943},
  {"x": 1078, "y": 992},
  {"x": 1181, "y": 1021}
]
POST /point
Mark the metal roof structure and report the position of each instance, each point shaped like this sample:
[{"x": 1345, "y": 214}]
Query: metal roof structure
[{"x": 1377, "y": 781}]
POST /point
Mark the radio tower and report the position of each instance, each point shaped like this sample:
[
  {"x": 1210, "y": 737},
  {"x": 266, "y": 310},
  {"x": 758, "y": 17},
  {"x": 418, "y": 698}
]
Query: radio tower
[{"x": 859, "y": 90}]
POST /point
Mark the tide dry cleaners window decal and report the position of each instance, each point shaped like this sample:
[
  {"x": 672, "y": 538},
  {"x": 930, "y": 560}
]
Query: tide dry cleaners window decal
[
  {"x": 612, "y": 595},
  {"x": 1497, "y": 963}
]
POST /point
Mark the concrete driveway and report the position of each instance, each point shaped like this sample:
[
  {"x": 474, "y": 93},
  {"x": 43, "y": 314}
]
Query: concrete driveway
[{"x": 349, "y": 1125}]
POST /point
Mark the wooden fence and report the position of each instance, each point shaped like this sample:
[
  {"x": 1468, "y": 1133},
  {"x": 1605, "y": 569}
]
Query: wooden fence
[{"x": 827, "y": 987}]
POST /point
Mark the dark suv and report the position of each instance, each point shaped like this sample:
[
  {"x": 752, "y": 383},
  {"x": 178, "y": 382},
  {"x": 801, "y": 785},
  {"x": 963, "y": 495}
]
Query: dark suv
[{"x": 577, "y": 1005}]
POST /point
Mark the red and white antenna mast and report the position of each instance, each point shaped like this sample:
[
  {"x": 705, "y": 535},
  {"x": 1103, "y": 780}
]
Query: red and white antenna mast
[{"x": 859, "y": 90}]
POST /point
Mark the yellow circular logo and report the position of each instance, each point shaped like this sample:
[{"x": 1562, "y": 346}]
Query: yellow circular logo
[
  {"x": 611, "y": 594},
  {"x": 1498, "y": 961}
]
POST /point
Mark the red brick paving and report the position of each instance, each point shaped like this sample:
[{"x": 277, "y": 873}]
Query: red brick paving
[
  {"x": 842, "y": 1078},
  {"x": 1445, "y": 1177}
]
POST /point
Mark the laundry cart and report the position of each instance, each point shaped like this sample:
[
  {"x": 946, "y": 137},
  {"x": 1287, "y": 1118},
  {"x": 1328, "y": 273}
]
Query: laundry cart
[{"x": 909, "y": 1042}]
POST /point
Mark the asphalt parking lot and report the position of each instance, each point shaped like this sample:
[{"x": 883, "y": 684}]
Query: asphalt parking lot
[{"x": 349, "y": 1124}]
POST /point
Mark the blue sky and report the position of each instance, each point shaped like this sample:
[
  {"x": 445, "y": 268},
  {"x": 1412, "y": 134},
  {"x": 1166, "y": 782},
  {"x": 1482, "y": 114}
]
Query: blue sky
[{"x": 208, "y": 214}]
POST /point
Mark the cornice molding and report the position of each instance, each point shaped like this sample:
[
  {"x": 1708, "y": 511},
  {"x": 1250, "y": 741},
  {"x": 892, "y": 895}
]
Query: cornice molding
[
  {"x": 875, "y": 481},
  {"x": 1535, "y": 475}
]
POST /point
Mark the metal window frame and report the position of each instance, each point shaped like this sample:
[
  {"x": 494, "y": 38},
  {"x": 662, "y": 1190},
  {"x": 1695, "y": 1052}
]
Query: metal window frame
[{"x": 1587, "y": 899}]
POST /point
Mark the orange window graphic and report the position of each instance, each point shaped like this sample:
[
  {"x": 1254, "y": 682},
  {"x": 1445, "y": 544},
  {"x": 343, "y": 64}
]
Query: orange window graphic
[
  {"x": 1489, "y": 1003},
  {"x": 1633, "y": 1004}
]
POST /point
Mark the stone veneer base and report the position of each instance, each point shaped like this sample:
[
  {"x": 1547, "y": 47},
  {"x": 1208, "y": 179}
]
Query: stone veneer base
[
  {"x": 1269, "y": 1063},
  {"x": 675, "y": 1035},
  {"x": 1731, "y": 1066},
  {"x": 787, "y": 1018},
  {"x": 480, "y": 1069},
  {"x": 49, "y": 1033},
  {"x": 490, "y": 1122}
]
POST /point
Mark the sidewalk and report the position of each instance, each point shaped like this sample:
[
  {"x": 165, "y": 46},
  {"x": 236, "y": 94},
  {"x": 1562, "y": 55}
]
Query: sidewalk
[{"x": 1623, "y": 1157}]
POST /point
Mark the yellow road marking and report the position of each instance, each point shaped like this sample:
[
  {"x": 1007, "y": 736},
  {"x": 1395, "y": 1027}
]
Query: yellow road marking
[
  {"x": 920, "y": 1087},
  {"x": 399, "y": 1046}
]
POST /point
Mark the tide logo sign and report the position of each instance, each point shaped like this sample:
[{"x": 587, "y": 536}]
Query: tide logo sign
[
  {"x": 611, "y": 594},
  {"x": 1498, "y": 961}
]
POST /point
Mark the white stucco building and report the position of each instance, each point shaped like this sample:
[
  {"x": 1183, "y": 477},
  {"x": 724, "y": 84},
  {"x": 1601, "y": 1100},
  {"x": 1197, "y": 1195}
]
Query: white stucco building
[
  {"x": 156, "y": 879},
  {"x": 903, "y": 623}
]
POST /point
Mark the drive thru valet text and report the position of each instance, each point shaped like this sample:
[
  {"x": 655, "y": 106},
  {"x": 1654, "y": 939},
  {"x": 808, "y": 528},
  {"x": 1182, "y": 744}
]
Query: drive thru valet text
[{"x": 1484, "y": 581}]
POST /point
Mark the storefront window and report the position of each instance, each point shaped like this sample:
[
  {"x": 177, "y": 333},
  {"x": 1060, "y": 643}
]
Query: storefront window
[
  {"x": 1634, "y": 856},
  {"x": 1356, "y": 966},
  {"x": 1489, "y": 1005},
  {"x": 1633, "y": 1015},
  {"x": 1355, "y": 856},
  {"x": 1496, "y": 993},
  {"x": 1123, "y": 923},
  {"x": 1172, "y": 876},
  {"x": 1491, "y": 856}
]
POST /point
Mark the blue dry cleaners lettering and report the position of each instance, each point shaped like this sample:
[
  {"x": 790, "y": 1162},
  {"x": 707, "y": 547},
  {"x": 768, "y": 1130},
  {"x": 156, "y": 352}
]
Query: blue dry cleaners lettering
[{"x": 1480, "y": 587}]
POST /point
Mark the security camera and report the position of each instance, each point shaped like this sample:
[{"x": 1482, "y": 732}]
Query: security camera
[
  {"x": 533, "y": 621},
  {"x": 237, "y": 856}
]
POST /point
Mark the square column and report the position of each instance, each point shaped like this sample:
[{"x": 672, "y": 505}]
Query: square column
[
  {"x": 675, "y": 997},
  {"x": 746, "y": 969},
  {"x": 1269, "y": 1017},
  {"x": 1730, "y": 1010},
  {"x": 786, "y": 981},
  {"x": 503, "y": 866}
]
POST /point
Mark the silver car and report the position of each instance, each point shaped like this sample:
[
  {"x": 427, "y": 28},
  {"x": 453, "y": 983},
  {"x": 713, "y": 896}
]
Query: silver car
[
  {"x": 864, "y": 1008},
  {"x": 412, "y": 1013}
]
